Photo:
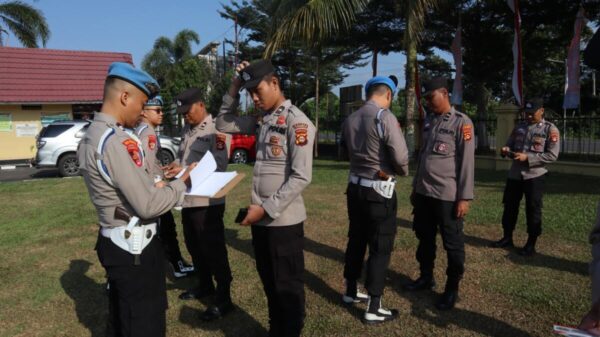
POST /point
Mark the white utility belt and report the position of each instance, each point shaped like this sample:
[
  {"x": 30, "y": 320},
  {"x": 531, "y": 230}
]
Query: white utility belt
[
  {"x": 361, "y": 181},
  {"x": 385, "y": 188},
  {"x": 131, "y": 238}
]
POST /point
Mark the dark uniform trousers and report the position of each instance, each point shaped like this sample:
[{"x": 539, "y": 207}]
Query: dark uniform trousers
[
  {"x": 137, "y": 293},
  {"x": 168, "y": 236},
  {"x": 279, "y": 255},
  {"x": 373, "y": 224},
  {"x": 204, "y": 233},
  {"x": 429, "y": 214},
  {"x": 533, "y": 189}
]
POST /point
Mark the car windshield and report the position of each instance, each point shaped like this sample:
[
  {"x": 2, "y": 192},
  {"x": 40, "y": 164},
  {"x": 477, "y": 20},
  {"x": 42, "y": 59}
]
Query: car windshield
[{"x": 54, "y": 130}]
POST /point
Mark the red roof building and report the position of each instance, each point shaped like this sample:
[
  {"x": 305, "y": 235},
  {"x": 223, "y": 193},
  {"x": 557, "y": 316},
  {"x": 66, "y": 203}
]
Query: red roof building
[
  {"x": 32, "y": 75},
  {"x": 38, "y": 86}
]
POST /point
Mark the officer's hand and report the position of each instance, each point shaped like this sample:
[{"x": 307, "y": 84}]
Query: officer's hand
[
  {"x": 462, "y": 208},
  {"x": 236, "y": 82},
  {"x": 186, "y": 175},
  {"x": 171, "y": 170},
  {"x": 255, "y": 213},
  {"x": 520, "y": 156}
]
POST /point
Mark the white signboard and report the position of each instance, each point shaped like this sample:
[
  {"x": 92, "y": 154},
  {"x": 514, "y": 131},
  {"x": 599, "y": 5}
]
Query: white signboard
[{"x": 26, "y": 129}]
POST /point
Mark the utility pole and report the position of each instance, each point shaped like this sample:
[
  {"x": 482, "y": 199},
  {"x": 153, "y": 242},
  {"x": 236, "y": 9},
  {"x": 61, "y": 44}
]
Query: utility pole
[
  {"x": 236, "y": 42},
  {"x": 224, "y": 59}
]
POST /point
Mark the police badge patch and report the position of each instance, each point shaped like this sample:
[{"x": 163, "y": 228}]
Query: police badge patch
[
  {"x": 152, "y": 142},
  {"x": 467, "y": 132},
  {"x": 134, "y": 151},
  {"x": 276, "y": 150},
  {"x": 301, "y": 137}
]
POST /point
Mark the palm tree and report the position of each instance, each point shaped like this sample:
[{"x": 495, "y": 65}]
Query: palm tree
[
  {"x": 25, "y": 22},
  {"x": 312, "y": 22},
  {"x": 166, "y": 52}
]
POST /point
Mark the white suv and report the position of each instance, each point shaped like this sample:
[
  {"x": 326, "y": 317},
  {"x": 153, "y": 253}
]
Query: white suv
[{"x": 57, "y": 147}]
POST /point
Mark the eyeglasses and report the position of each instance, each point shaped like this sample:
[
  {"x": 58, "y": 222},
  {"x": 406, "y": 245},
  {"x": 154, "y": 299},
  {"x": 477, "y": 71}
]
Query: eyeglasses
[{"x": 158, "y": 111}]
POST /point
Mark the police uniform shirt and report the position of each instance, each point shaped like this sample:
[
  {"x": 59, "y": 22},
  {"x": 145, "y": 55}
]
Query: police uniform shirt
[
  {"x": 284, "y": 155},
  {"x": 367, "y": 151},
  {"x": 118, "y": 177},
  {"x": 195, "y": 142},
  {"x": 151, "y": 145},
  {"x": 446, "y": 167},
  {"x": 541, "y": 143}
]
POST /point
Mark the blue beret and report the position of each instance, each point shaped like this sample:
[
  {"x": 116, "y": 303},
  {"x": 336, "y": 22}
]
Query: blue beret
[
  {"x": 139, "y": 78},
  {"x": 381, "y": 80},
  {"x": 156, "y": 101}
]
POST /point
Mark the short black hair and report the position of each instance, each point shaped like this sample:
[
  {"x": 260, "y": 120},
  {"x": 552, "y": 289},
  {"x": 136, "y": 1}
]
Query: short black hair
[{"x": 379, "y": 89}]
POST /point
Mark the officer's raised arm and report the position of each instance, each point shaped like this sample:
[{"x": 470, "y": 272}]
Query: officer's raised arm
[{"x": 227, "y": 119}]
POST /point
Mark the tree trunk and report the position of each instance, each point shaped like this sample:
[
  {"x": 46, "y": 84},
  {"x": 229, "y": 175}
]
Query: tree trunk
[
  {"x": 411, "y": 98},
  {"x": 483, "y": 97},
  {"x": 374, "y": 62},
  {"x": 317, "y": 107}
]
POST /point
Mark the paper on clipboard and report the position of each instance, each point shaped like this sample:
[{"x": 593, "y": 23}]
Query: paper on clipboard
[{"x": 205, "y": 181}]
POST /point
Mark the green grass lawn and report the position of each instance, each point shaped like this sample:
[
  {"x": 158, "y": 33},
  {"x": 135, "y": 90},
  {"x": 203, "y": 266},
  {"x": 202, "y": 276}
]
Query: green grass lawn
[{"x": 51, "y": 283}]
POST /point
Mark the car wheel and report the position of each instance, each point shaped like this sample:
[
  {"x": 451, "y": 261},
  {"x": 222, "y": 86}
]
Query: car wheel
[
  {"x": 165, "y": 157},
  {"x": 240, "y": 156},
  {"x": 68, "y": 165}
]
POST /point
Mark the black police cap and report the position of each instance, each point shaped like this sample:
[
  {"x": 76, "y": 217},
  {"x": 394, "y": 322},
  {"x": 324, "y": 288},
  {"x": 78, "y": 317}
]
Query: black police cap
[
  {"x": 255, "y": 72},
  {"x": 533, "y": 104},
  {"x": 433, "y": 84},
  {"x": 185, "y": 100}
]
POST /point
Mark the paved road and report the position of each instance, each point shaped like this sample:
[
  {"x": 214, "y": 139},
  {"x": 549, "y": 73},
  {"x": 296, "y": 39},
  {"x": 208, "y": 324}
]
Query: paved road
[{"x": 25, "y": 173}]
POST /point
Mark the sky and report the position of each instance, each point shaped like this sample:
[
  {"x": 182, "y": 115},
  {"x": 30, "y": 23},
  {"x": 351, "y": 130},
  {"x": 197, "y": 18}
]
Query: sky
[{"x": 132, "y": 27}]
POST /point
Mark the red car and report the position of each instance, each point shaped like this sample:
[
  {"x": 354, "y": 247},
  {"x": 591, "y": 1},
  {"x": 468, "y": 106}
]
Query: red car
[{"x": 242, "y": 149}]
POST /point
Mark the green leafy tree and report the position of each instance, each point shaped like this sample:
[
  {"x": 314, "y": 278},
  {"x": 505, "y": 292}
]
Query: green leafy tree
[
  {"x": 166, "y": 53},
  {"x": 25, "y": 22}
]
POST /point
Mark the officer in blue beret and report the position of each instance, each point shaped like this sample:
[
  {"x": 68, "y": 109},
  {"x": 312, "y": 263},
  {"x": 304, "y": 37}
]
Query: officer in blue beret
[
  {"x": 152, "y": 117},
  {"x": 373, "y": 141},
  {"x": 128, "y": 205}
]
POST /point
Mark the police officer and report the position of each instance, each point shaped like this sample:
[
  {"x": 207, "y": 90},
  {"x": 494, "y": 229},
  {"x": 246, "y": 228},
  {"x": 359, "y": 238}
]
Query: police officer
[
  {"x": 283, "y": 169},
  {"x": 203, "y": 227},
  {"x": 377, "y": 150},
  {"x": 152, "y": 116},
  {"x": 128, "y": 204},
  {"x": 532, "y": 144},
  {"x": 442, "y": 189}
]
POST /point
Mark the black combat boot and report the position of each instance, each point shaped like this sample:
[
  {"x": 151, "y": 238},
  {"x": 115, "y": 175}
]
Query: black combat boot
[{"x": 529, "y": 248}]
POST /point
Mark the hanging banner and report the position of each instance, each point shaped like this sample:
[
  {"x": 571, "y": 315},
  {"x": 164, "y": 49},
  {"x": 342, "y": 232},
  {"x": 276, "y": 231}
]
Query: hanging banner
[
  {"x": 517, "y": 78},
  {"x": 572, "y": 85}
]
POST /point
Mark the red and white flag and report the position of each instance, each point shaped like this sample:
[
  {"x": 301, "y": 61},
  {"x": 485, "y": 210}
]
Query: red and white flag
[
  {"x": 456, "y": 49},
  {"x": 572, "y": 86},
  {"x": 517, "y": 79}
]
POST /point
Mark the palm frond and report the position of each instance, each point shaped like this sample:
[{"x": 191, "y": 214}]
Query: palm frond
[
  {"x": 26, "y": 22},
  {"x": 417, "y": 12},
  {"x": 314, "y": 21},
  {"x": 182, "y": 47}
]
